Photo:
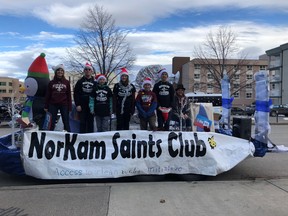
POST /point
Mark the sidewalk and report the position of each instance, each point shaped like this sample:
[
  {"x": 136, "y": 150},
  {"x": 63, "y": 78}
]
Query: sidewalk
[{"x": 205, "y": 198}]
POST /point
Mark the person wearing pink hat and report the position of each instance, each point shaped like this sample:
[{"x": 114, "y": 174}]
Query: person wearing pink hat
[
  {"x": 123, "y": 100},
  {"x": 82, "y": 92},
  {"x": 165, "y": 95},
  {"x": 146, "y": 103},
  {"x": 100, "y": 103}
]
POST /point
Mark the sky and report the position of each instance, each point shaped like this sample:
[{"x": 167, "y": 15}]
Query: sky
[{"x": 158, "y": 29}]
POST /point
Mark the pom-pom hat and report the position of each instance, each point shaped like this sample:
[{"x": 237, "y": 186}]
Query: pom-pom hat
[
  {"x": 39, "y": 67},
  {"x": 60, "y": 66},
  {"x": 147, "y": 81},
  {"x": 88, "y": 66},
  {"x": 100, "y": 76},
  {"x": 160, "y": 72},
  {"x": 124, "y": 71}
]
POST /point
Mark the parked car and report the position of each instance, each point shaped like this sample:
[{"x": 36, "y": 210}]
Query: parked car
[
  {"x": 237, "y": 111},
  {"x": 4, "y": 113},
  {"x": 250, "y": 110},
  {"x": 279, "y": 110}
]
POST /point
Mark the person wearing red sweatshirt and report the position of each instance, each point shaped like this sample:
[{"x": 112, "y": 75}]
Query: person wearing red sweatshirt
[
  {"x": 146, "y": 103},
  {"x": 58, "y": 97}
]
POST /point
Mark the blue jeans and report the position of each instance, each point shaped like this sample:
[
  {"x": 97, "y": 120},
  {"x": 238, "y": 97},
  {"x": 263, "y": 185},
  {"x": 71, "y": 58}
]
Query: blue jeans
[{"x": 53, "y": 109}]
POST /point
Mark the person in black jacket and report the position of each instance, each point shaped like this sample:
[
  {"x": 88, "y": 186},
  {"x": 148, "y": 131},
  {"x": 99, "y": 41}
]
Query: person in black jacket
[
  {"x": 82, "y": 92},
  {"x": 123, "y": 100},
  {"x": 165, "y": 95},
  {"x": 100, "y": 103}
]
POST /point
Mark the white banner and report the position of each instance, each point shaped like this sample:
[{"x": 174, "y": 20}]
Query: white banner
[{"x": 59, "y": 155}]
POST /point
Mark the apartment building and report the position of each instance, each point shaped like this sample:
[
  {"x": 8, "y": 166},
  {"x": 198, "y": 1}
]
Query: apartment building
[
  {"x": 198, "y": 77},
  {"x": 278, "y": 69},
  {"x": 9, "y": 88}
]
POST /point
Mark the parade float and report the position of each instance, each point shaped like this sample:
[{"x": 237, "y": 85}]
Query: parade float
[{"x": 63, "y": 155}]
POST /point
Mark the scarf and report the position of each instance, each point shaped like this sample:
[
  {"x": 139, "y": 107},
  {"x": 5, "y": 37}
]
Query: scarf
[
  {"x": 125, "y": 89},
  {"x": 27, "y": 106}
]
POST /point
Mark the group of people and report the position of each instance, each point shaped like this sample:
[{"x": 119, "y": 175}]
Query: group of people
[
  {"x": 163, "y": 101},
  {"x": 93, "y": 98}
]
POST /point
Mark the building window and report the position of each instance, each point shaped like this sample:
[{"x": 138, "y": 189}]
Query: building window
[
  {"x": 249, "y": 76},
  {"x": 2, "y": 83},
  {"x": 236, "y": 76},
  {"x": 236, "y": 68},
  {"x": 249, "y": 67},
  {"x": 10, "y": 91},
  {"x": 236, "y": 85},
  {"x": 2, "y": 90},
  {"x": 209, "y": 86},
  {"x": 196, "y": 86},
  {"x": 196, "y": 76},
  {"x": 248, "y": 94},
  {"x": 236, "y": 95},
  {"x": 10, "y": 83},
  {"x": 209, "y": 76},
  {"x": 262, "y": 67},
  {"x": 197, "y": 66},
  {"x": 273, "y": 86},
  {"x": 249, "y": 86}
]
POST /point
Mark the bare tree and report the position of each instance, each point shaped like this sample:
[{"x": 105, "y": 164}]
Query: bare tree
[
  {"x": 217, "y": 56},
  {"x": 102, "y": 44}
]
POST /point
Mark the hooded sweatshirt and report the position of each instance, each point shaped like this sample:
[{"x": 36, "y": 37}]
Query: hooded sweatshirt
[{"x": 58, "y": 93}]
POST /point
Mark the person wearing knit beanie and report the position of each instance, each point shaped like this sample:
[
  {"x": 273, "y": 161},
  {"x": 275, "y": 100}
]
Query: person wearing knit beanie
[
  {"x": 161, "y": 72},
  {"x": 60, "y": 66},
  {"x": 58, "y": 98},
  {"x": 165, "y": 96}
]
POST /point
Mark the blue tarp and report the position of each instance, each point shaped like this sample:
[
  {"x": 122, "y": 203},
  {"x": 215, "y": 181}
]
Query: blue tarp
[{"x": 10, "y": 160}]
